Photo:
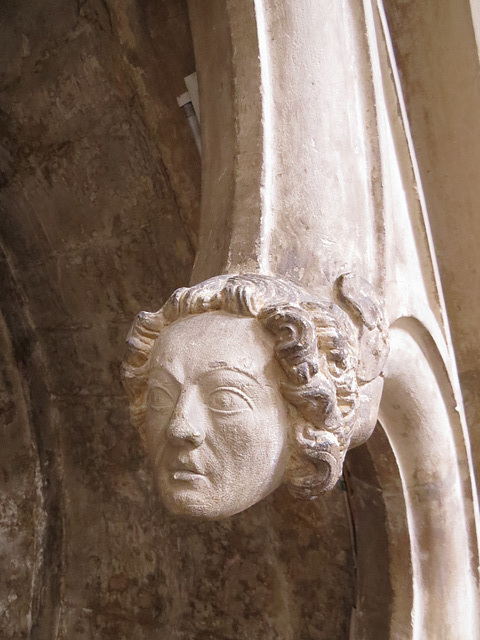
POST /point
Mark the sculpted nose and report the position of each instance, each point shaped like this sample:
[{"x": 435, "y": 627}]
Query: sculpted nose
[{"x": 185, "y": 425}]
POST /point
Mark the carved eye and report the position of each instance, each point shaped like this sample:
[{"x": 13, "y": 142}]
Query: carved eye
[
  {"x": 159, "y": 399},
  {"x": 228, "y": 400}
]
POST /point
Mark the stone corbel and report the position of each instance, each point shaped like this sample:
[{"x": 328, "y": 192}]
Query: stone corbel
[{"x": 187, "y": 387}]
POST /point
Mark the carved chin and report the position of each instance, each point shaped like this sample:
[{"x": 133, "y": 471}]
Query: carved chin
[
  {"x": 196, "y": 496},
  {"x": 191, "y": 505},
  {"x": 192, "y": 497},
  {"x": 186, "y": 503}
]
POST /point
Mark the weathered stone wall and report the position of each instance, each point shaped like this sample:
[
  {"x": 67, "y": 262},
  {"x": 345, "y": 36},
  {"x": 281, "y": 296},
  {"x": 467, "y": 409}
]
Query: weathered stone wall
[{"x": 99, "y": 197}]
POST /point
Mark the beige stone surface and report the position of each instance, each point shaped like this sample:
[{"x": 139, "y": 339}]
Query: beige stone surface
[
  {"x": 355, "y": 201},
  {"x": 217, "y": 426},
  {"x": 437, "y": 55}
]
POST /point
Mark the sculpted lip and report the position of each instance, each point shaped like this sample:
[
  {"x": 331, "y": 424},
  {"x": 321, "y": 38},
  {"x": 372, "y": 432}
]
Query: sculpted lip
[
  {"x": 179, "y": 464},
  {"x": 184, "y": 470},
  {"x": 183, "y": 474}
]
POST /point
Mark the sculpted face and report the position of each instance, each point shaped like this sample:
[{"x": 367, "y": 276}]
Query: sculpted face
[{"x": 216, "y": 423}]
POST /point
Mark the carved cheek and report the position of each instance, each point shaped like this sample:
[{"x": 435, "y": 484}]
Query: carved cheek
[
  {"x": 155, "y": 432},
  {"x": 160, "y": 406},
  {"x": 233, "y": 436}
]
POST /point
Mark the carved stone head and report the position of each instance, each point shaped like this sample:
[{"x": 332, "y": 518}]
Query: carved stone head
[{"x": 240, "y": 383}]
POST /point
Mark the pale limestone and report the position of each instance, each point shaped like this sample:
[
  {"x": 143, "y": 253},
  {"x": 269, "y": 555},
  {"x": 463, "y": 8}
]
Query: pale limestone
[{"x": 321, "y": 362}]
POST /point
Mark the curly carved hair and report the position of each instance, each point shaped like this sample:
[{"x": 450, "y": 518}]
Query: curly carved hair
[{"x": 316, "y": 344}]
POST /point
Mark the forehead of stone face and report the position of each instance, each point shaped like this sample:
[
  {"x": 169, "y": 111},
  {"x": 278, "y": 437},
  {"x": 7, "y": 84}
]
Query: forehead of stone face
[{"x": 215, "y": 340}]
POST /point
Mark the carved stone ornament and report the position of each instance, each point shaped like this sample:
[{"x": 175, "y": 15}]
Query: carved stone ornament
[{"x": 242, "y": 382}]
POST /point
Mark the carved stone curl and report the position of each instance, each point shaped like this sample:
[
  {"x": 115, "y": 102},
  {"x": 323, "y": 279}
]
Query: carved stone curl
[{"x": 331, "y": 359}]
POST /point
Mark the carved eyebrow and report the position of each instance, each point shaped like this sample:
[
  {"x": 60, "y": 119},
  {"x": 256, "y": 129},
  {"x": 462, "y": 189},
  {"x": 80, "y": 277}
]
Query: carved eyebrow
[
  {"x": 165, "y": 373},
  {"x": 216, "y": 368}
]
